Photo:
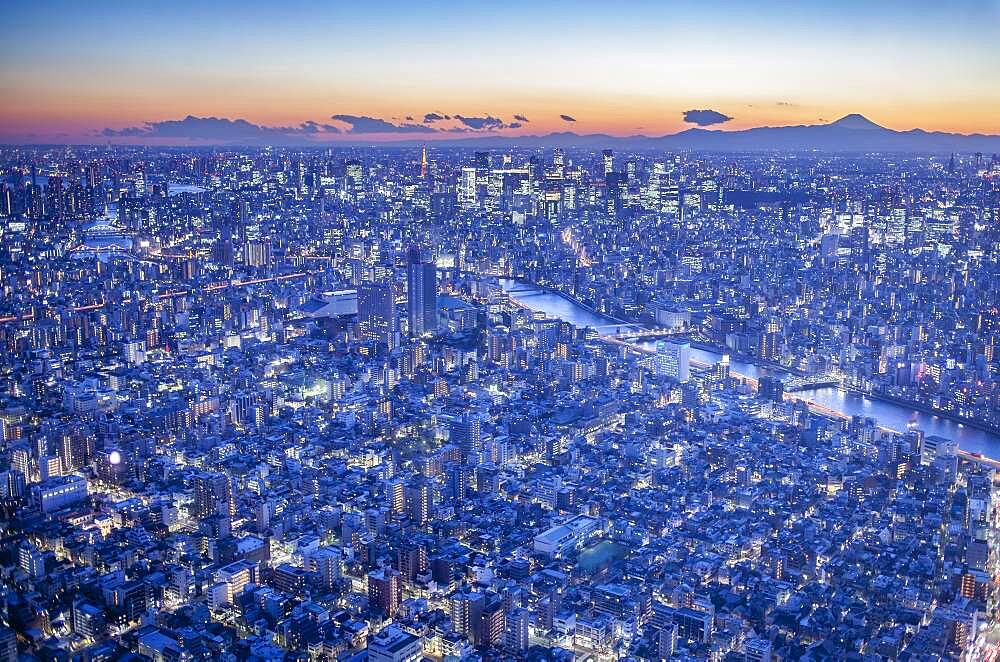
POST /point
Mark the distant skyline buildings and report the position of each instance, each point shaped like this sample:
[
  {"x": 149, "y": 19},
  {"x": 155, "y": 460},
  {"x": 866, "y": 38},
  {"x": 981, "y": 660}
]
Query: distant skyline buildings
[{"x": 333, "y": 73}]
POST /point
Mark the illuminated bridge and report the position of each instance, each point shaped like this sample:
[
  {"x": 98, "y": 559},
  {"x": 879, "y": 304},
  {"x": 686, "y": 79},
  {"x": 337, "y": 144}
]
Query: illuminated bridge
[{"x": 807, "y": 382}]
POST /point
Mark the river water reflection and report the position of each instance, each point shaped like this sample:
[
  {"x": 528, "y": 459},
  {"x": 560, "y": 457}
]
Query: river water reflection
[{"x": 887, "y": 414}]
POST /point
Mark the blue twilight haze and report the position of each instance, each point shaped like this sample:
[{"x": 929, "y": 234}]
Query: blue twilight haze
[{"x": 518, "y": 332}]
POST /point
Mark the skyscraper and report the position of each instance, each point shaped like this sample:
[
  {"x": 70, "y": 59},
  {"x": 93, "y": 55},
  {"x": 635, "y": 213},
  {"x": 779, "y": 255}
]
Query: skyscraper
[
  {"x": 421, "y": 293},
  {"x": 467, "y": 188},
  {"x": 377, "y": 313}
]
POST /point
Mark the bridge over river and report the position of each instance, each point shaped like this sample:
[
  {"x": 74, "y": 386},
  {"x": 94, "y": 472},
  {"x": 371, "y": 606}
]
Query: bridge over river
[{"x": 823, "y": 393}]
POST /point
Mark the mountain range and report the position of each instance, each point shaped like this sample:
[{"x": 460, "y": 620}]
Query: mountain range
[{"x": 851, "y": 133}]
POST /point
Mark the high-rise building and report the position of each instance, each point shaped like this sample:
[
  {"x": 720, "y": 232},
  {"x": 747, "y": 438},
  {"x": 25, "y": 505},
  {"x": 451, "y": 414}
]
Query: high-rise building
[
  {"x": 467, "y": 188},
  {"x": 467, "y": 433},
  {"x": 492, "y": 622},
  {"x": 418, "y": 503},
  {"x": 516, "y": 638},
  {"x": 411, "y": 559},
  {"x": 771, "y": 388},
  {"x": 466, "y": 612},
  {"x": 770, "y": 340},
  {"x": 213, "y": 495},
  {"x": 385, "y": 590},
  {"x": 673, "y": 360},
  {"x": 140, "y": 182},
  {"x": 377, "y": 313},
  {"x": 609, "y": 162},
  {"x": 421, "y": 293},
  {"x": 6, "y": 200},
  {"x": 325, "y": 562}
]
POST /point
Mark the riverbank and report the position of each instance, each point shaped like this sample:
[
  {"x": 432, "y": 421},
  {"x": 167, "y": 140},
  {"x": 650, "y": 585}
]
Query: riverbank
[
  {"x": 576, "y": 302},
  {"x": 831, "y": 400},
  {"x": 964, "y": 420}
]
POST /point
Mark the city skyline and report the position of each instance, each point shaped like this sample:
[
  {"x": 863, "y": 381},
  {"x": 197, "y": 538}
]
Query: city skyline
[
  {"x": 441, "y": 72},
  {"x": 562, "y": 332}
]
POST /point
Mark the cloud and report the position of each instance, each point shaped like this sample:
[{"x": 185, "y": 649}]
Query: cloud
[
  {"x": 219, "y": 129},
  {"x": 314, "y": 127},
  {"x": 435, "y": 117},
  {"x": 409, "y": 118},
  {"x": 129, "y": 131},
  {"x": 786, "y": 104},
  {"x": 365, "y": 124},
  {"x": 481, "y": 123},
  {"x": 514, "y": 125},
  {"x": 567, "y": 118},
  {"x": 705, "y": 117},
  {"x": 521, "y": 118}
]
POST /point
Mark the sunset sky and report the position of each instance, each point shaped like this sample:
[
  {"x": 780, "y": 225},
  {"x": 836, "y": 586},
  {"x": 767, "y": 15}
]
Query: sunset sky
[{"x": 74, "y": 72}]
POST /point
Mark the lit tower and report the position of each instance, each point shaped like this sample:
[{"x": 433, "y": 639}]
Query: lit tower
[{"x": 423, "y": 163}]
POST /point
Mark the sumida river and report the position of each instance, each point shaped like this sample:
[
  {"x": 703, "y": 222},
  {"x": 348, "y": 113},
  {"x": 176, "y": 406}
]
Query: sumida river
[{"x": 887, "y": 414}]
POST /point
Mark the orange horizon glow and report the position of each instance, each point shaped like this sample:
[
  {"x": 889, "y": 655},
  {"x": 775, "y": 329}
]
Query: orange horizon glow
[{"x": 620, "y": 70}]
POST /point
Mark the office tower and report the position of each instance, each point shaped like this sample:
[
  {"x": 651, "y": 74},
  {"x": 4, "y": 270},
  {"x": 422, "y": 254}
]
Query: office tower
[
  {"x": 75, "y": 448},
  {"x": 459, "y": 478},
  {"x": 423, "y": 162},
  {"x": 385, "y": 590},
  {"x": 693, "y": 625},
  {"x": 301, "y": 175},
  {"x": 140, "y": 182},
  {"x": 92, "y": 176},
  {"x": 552, "y": 201},
  {"x": 617, "y": 192},
  {"x": 630, "y": 170},
  {"x": 467, "y": 188},
  {"x": 421, "y": 293},
  {"x": 673, "y": 360},
  {"x": 377, "y": 313},
  {"x": 213, "y": 494},
  {"x": 609, "y": 162},
  {"x": 88, "y": 620},
  {"x": 482, "y": 170},
  {"x": 394, "y": 645}
]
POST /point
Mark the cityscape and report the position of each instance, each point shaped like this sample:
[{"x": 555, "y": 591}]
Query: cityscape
[{"x": 498, "y": 386}]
